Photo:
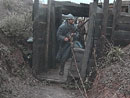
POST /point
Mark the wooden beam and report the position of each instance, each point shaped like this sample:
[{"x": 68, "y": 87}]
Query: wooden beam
[
  {"x": 35, "y": 9},
  {"x": 122, "y": 37},
  {"x": 54, "y": 37},
  {"x": 89, "y": 41},
  {"x": 129, "y": 9},
  {"x": 125, "y": 19},
  {"x": 48, "y": 34},
  {"x": 96, "y": 1},
  {"x": 123, "y": 26},
  {"x": 116, "y": 14},
  {"x": 39, "y": 31},
  {"x": 80, "y": 10},
  {"x": 105, "y": 17},
  {"x": 52, "y": 61}
]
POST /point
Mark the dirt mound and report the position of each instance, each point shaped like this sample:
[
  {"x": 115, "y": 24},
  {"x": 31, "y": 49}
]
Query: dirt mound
[
  {"x": 16, "y": 23},
  {"x": 11, "y": 63},
  {"x": 113, "y": 81},
  {"x": 13, "y": 68}
]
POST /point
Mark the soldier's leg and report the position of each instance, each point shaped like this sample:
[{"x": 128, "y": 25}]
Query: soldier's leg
[
  {"x": 64, "y": 59},
  {"x": 62, "y": 68},
  {"x": 59, "y": 54}
]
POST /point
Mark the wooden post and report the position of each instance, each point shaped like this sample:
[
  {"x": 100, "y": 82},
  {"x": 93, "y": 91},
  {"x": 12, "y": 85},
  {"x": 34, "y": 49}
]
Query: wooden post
[
  {"x": 52, "y": 41},
  {"x": 53, "y": 36},
  {"x": 100, "y": 46},
  {"x": 35, "y": 9},
  {"x": 39, "y": 32},
  {"x": 89, "y": 41},
  {"x": 105, "y": 17},
  {"x": 47, "y": 34},
  {"x": 116, "y": 14},
  {"x": 96, "y": 1},
  {"x": 128, "y": 9}
]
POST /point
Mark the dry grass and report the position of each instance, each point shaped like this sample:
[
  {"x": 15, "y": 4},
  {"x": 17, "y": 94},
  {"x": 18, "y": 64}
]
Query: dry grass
[
  {"x": 17, "y": 17},
  {"x": 17, "y": 25},
  {"x": 18, "y": 6},
  {"x": 113, "y": 79}
]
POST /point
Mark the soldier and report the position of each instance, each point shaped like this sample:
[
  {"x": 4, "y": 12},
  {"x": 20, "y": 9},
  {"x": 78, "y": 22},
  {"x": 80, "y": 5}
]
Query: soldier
[
  {"x": 81, "y": 30},
  {"x": 66, "y": 29}
]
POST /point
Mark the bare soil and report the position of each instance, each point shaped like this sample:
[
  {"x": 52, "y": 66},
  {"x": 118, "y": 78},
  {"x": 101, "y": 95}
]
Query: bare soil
[
  {"x": 31, "y": 88},
  {"x": 113, "y": 81}
]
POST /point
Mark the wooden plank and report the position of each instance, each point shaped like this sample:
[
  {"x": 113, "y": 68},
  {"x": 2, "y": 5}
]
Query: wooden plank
[
  {"x": 48, "y": 34},
  {"x": 128, "y": 9},
  {"x": 109, "y": 31},
  {"x": 124, "y": 19},
  {"x": 99, "y": 19},
  {"x": 96, "y": 1},
  {"x": 68, "y": 3},
  {"x": 98, "y": 23},
  {"x": 39, "y": 30},
  {"x": 123, "y": 26},
  {"x": 89, "y": 41},
  {"x": 53, "y": 74},
  {"x": 105, "y": 17},
  {"x": 53, "y": 32},
  {"x": 100, "y": 42},
  {"x": 100, "y": 16},
  {"x": 76, "y": 11},
  {"x": 78, "y": 55},
  {"x": 116, "y": 14},
  {"x": 81, "y": 10},
  {"x": 35, "y": 9},
  {"x": 122, "y": 35}
]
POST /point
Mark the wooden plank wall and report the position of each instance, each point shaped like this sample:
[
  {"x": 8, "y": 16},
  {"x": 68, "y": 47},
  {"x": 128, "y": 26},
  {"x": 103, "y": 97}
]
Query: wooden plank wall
[
  {"x": 121, "y": 25},
  {"x": 122, "y": 30},
  {"x": 89, "y": 41},
  {"x": 116, "y": 14},
  {"x": 52, "y": 44},
  {"x": 44, "y": 52}
]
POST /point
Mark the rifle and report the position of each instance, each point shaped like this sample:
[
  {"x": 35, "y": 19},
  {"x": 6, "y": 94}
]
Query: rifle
[
  {"x": 83, "y": 23},
  {"x": 71, "y": 34}
]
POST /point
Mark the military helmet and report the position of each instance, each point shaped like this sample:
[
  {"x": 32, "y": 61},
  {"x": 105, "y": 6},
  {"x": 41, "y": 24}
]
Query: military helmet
[{"x": 69, "y": 16}]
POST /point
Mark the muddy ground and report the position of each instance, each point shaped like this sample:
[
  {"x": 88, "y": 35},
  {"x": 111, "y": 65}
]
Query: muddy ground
[
  {"x": 31, "y": 88},
  {"x": 16, "y": 80},
  {"x": 113, "y": 80}
]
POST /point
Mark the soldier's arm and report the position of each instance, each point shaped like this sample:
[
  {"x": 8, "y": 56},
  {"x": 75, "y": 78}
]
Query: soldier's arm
[
  {"x": 60, "y": 35},
  {"x": 76, "y": 31}
]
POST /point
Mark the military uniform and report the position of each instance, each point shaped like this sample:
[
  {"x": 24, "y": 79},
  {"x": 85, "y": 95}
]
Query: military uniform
[{"x": 64, "y": 47}]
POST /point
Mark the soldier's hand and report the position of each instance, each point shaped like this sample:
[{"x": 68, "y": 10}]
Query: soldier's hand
[
  {"x": 66, "y": 39},
  {"x": 72, "y": 34}
]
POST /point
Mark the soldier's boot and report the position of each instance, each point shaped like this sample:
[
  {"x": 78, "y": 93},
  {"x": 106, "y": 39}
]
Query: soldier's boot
[{"x": 62, "y": 69}]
